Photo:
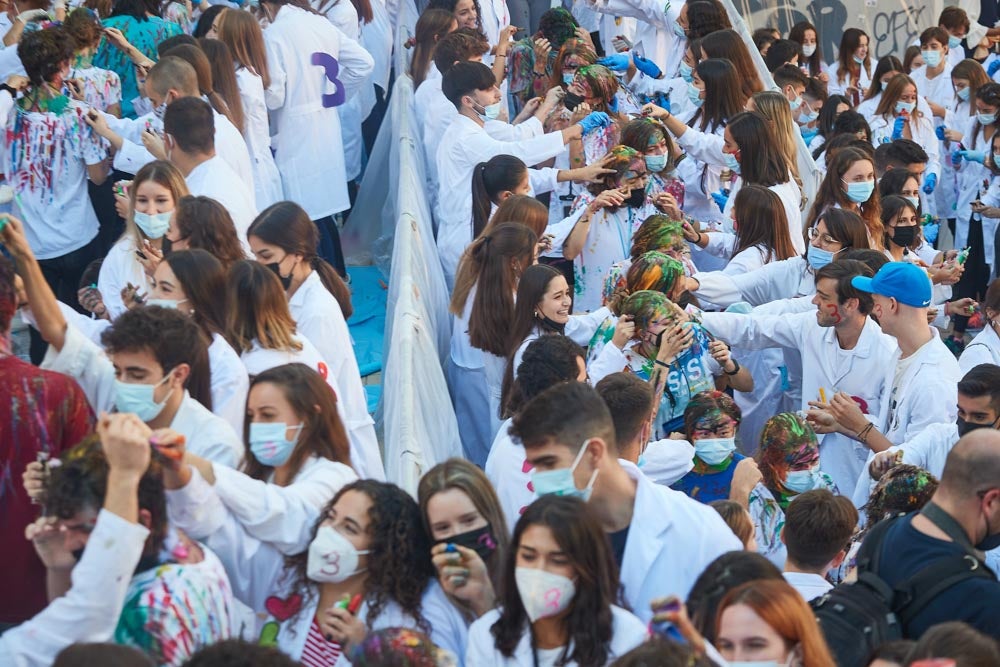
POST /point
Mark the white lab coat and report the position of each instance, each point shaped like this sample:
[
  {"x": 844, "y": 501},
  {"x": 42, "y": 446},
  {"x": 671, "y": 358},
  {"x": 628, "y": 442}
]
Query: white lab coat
[
  {"x": 307, "y": 141},
  {"x": 264, "y": 509},
  {"x": 208, "y": 436},
  {"x": 786, "y": 279},
  {"x": 465, "y": 145},
  {"x": 256, "y": 571},
  {"x": 973, "y": 179},
  {"x": 984, "y": 349},
  {"x": 858, "y": 372},
  {"x": 672, "y": 539},
  {"x": 257, "y": 132},
  {"x": 838, "y": 85},
  {"x": 344, "y": 16},
  {"x": 494, "y": 16},
  {"x": 579, "y": 329},
  {"x": 89, "y": 611},
  {"x": 653, "y": 34},
  {"x": 230, "y": 383},
  {"x": 229, "y": 145},
  {"x": 923, "y": 133},
  {"x": 120, "y": 267},
  {"x": 627, "y": 632},
  {"x": 929, "y": 449},
  {"x": 214, "y": 178},
  {"x": 928, "y": 392},
  {"x": 319, "y": 318}
]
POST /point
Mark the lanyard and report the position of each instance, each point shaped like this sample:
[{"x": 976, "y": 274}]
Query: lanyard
[{"x": 951, "y": 528}]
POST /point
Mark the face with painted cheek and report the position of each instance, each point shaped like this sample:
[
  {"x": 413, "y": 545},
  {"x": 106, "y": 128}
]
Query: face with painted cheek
[
  {"x": 828, "y": 310},
  {"x": 570, "y": 65},
  {"x": 718, "y": 426}
]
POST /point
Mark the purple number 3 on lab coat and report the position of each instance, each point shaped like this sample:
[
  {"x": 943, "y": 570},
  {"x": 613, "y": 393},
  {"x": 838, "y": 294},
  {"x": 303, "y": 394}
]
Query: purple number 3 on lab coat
[{"x": 332, "y": 69}]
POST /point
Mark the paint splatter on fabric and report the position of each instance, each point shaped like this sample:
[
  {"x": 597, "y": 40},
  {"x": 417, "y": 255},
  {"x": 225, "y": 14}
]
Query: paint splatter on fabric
[
  {"x": 101, "y": 87},
  {"x": 707, "y": 483},
  {"x": 178, "y": 14},
  {"x": 174, "y": 609},
  {"x": 41, "y": 411},
  {"x": 143, "y": 35}
]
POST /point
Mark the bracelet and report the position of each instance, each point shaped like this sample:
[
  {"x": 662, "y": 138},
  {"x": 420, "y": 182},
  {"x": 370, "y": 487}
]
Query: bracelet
[
  {"x": 863, "y": 433},
  {"x": 698, "y": 240},
  {"x": 501, "y": 55},
  {"x": 660, "y": 363},
  {"x": 735, "y": 370}
]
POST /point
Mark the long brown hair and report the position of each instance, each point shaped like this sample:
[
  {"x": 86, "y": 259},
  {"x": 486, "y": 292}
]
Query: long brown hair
[
  {"x": 973, "y": 72},
  {"x": 362, "y": 7},
  {"x": 755, "y": 136},
  {"x": 501, "y": 256},
  {"x": 431, "y": 26},
  {"x": 729, "y": 45},
  {"x": 194, "y": 56},
  {"x": 849, "y": 43},
  {"x": 762, "y": 221},
  {"x": 893, "y": 90},
  {"x": 523, "y": 209},
  {"x": 462, "y": 475},
  {"x": 781, "y": 607},
  {"x": 224, "y": 78},
  {"x": 258, "y": 310},
  {"x": 203, "y": 280},
  {"x": 205, "y": 223},
  {"x": 287, "y": 225},
  {"x": 588, "y": 621},
  {"x": 241, "y": 32},
  {"x": 323, "y": 433},
  {"x": 723, "y": 96},
  {"x": 831, "y": 192},
  {"x": 572, "y": 47},
  {"x": 772, "y": 105}
]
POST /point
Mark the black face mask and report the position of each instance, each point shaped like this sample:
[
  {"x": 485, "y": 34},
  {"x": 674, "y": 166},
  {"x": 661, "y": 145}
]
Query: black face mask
[
  {"x": 77, "y": 554},
  {"x": 659, "y": 338},
  {"x": 965, "y": 427},
  {"x": 636, "y": 198},
  {"x": 480, "y": 540},
  {"x": 286, "y": 281},
  {"x": 904, "y": 236},
  {"x": 551, "y": 325},
  {"x": 571, "y": 101}
]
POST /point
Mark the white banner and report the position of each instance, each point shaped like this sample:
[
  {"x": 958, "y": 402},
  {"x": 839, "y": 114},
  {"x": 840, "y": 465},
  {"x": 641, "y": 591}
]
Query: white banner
[{"x": 891, "y": 24}]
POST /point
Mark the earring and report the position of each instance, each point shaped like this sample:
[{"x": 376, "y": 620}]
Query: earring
[{"x": 538, "y": 315}]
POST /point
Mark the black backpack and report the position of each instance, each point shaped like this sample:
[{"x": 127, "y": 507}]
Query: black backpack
[{"x": 858, "y": 617}]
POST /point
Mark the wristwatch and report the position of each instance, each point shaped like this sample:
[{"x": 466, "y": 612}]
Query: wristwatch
[{"x": 735, "y": 370}]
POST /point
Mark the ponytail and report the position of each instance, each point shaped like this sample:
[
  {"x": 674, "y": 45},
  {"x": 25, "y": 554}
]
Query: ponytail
[
  {"x": 334, "y": 284},
  {"x": 481, "y": 201}
]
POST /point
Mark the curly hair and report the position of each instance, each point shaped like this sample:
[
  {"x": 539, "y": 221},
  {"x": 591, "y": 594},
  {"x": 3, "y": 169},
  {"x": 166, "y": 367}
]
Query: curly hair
[
  {"x": 205, "y": 223},
  {"x": 589, "y": 620},
  {"x": 81, "y": 482},
  {"x": 399, "y": 558},
  {"x": 43, "y": 53},
  {"x": 902, "y": 488}
]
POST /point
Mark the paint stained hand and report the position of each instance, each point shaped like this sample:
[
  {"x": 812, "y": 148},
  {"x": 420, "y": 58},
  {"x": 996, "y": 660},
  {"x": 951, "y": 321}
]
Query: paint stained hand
[
  {"x": 624, "y": 331},
  {"x": 462, "y": 573},
  {"x": 341, "y": 626}
]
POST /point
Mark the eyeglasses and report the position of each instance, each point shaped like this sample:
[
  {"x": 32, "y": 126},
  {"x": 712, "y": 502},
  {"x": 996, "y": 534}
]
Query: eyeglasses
[{"x": 825, "y": 239}]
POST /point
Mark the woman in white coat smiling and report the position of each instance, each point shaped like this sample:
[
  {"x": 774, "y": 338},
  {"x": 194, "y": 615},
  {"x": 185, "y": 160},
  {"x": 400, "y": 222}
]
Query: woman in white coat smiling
[
  {"x": 314, "y": 69},
  {"x": 241, "y": 32},
  {"x": 557, "y": 597},
  {"x": 368, "y": 566},
  {"x": 283, "y": 239}
]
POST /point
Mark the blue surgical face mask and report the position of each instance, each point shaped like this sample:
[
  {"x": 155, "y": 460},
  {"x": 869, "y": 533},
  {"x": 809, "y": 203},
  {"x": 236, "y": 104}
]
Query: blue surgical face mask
[
  {"x": 164, "y": 303},
  {"x": 954, "y": 42},
  {"x": 731, "y": 162},
  {"x": 686, "y": 72},
  {"x": 153, "y": 226},
  {"x": 714, "y": 451},
  {"x": 963, "y": 94},
  {"x": 568, "y": 77},
  {"x": 679, "y": 30},
  {"x": 861, "y": 192},
  {"x": 491, "y": 112},
  {"x": 818, "y": 258},
  {"x": 796, "y": 103},
  {"x": 808, "y": 133},
  {"x": 986, "y": 118},
  {"x": 859, "y": 61},
  {"x": 268, "y": 443},
  {"x": 809, "y": 117},
  {"x": 139, "y": 399},
  {"x": 560, "y": 482},
  {"x": 693, "y": 95},
  {"x": 902, "y": 106},
  {"x": 656, "y": 163},
  {"x": 931, "y": 58},
  {"x": 800, "y": 481},
  {"x": 913, "y": 200}
]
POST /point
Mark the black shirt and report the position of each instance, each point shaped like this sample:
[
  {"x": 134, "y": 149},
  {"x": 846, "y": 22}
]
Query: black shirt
[
  {"x": 906, "y": 551},
  {"x": 618, "y": 541}
]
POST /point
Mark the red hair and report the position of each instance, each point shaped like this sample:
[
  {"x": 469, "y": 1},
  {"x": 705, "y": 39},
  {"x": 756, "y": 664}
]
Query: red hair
[{"x": 782, "y": 608}]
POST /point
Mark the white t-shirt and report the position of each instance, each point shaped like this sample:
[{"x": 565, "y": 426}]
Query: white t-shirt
[
  {"x": 45, "y": 159},
  {"x": 810, "y": 586},
  {"x": 901, "y": 367}
]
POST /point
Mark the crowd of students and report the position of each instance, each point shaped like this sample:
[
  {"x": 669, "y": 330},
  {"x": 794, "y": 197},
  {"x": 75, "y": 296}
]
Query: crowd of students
[{"x": 706, "y": 417}]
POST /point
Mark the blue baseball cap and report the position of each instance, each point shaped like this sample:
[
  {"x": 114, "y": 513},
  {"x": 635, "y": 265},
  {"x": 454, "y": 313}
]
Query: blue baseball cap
[{"x": 904, "y": 282}]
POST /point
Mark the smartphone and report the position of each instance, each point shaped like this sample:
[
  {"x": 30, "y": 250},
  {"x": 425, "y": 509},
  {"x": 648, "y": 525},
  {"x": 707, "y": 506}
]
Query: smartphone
[{"x": 666, "y": 628}]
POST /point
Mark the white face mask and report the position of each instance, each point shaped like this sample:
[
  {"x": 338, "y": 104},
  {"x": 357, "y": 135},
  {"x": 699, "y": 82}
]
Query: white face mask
[
  {"x": 543, "y": 594},
  {"x": 808, "y": 50},
  {"x": 332, "y": 557},
  {"x": 714, "y": 451}
]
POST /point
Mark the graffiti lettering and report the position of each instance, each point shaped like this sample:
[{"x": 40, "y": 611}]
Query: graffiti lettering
[{"x": 892, "y": 32}]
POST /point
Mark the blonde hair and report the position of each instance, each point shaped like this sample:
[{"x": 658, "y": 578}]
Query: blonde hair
[
  {"x": 162, "y": 173},
  {"x": 774, "y": 106}
]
